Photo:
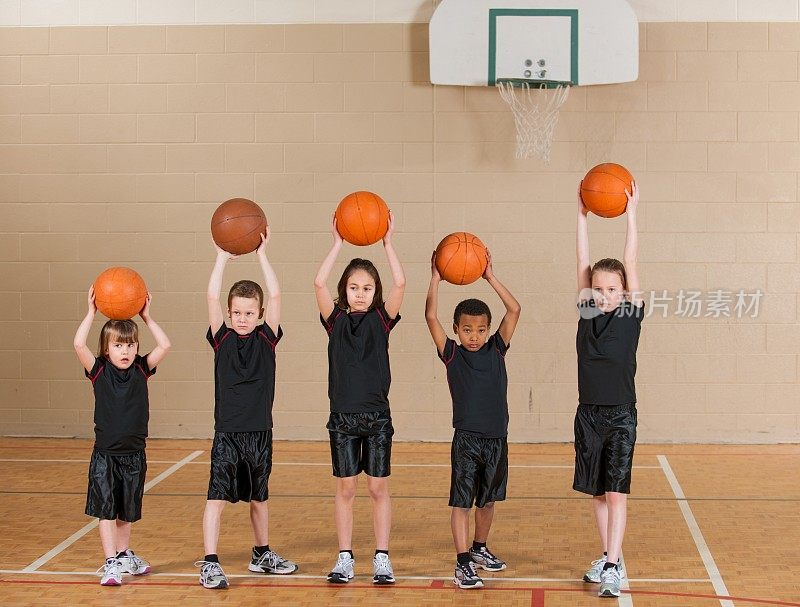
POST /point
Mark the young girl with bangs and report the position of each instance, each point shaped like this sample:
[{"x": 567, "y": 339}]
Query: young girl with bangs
[{"x": 358, "y": 323}]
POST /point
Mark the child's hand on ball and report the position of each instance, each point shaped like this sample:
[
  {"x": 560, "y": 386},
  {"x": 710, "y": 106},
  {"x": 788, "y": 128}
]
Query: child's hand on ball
[{"x": 90, "y": 299}]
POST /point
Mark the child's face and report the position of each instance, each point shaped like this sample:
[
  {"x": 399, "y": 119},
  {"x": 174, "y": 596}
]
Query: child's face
[
  {"x": 121, "y": 353},
  {"x": 244, "y": 314},
  {"x": 472, "y": 331},
  {"x": 607, "y": 290},
  {"x": 360, "y": 291}
]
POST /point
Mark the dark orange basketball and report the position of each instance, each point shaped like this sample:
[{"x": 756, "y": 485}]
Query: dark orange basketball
[
  {"x": 461, "y": 258},
  {"x": 603, "y": 189},
  {"x": 237, "y": 226},
  {"x": 362, "y": 218},
  {"x": 120, "y": 293}
]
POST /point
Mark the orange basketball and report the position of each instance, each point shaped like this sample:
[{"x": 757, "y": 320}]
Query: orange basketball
[
  {"x": 237, "y": 226},
  {"x": 461, "y": 258},
  {"x": 362, "y": 218},
  {"x": 603, "y": 189},
  {"x": 120, "y": 293}
]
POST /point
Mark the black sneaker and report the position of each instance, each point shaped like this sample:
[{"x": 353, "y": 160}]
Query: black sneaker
[
  {"x": 465, "y": 576},
  {"x": 485, "y": 559},
  {"x": 271, "y": 562}
]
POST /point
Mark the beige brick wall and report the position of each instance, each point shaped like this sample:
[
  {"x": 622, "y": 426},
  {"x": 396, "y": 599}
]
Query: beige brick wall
[{"x": 117, "y": 143}]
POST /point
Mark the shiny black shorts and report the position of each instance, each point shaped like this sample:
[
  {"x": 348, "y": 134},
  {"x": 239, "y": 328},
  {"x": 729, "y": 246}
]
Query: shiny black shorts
[
  {"x": 479, "y": 470},
  {"x": 361, "y": 442},
  {"x": 240, "y": 466},
  {"x": 116, "y": 486},
  {"x": 604, "y": 440}
]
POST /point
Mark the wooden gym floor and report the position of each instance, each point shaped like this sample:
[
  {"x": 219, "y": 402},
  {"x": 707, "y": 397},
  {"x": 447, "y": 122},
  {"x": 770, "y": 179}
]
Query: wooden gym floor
[{"x": 708, "y": 525}]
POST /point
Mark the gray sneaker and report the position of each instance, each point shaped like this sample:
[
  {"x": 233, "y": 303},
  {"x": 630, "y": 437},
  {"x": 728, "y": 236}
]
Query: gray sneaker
[
  {"x": 271, "y": 562},
  {"x": 486, "y": 560},
  {"x": 342, "y": 572},
  {"x": 211, "y": 575},
  {"x": 383, "y": 572},
  {"x": 610, "y": 581},
  {"x": 593, "y": 574},
  {"x": 111, "y": 573},
  {"x": 466, "y": 577},
  {"x": 130, "y": 563}
]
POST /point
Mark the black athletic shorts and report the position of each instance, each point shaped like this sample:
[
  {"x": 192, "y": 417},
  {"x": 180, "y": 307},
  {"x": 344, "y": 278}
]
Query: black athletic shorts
[
  {"x": 604, "y": 440},
  {"x": 479, "y": 470},
  {"x": 240, "y": 466},
  {"x": 116, "y": 486},
  {"x": 361, "y": 442}
]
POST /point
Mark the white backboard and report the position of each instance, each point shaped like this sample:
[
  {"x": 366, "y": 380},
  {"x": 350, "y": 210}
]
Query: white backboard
[{"x": 474, "y": 42}]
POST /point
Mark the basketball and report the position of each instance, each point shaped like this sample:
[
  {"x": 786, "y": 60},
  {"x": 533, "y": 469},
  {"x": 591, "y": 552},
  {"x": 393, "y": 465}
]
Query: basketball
[
  {"x": 120, "y": 293},
  {"x": 237, "y": 226},
  {"x": 603, "y": 189},
  {"x": 362, "y": 218},
  {"x": 461, "y": 258}
]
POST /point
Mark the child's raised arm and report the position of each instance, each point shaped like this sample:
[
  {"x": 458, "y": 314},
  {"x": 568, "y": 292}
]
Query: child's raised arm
[
  {"x": 162, "y": 341},
  {"x": 513, "y": 309},
  {"x": 432, "y": 308},
  {"x": 324, "y": 297},
  {"x": 272, "y": 314},
  {"x": 631, "y": 254},
  {"x": 582, "y": 247},
  {"x": 395, "y": 297},
  {"x": 79, "y": 342},
  {"x": 216, "y": 318}
]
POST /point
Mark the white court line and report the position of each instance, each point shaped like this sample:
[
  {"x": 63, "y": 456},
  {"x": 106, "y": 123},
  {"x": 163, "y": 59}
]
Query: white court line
[
  {"x": 87, "y": 528},
  {"x": 697, "y": 535},
  {"x": 327, "y": 464},
  {"x": 321, "y": 576},
  {"x": 625, "y": 599},
  {"x": 564, "y": 466}
]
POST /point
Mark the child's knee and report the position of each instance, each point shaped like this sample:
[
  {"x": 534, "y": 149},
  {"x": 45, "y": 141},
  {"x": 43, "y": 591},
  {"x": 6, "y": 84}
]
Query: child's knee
[
  {"x": 346, "y": 488},
  {"x": 457, "y": 512},
  {"x": 378, "y": 488},
  {"x": 614, "y": 498},
  {"x": 215, "y": 506}
]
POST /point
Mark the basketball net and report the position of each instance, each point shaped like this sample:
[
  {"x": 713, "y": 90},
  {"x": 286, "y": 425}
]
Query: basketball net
[{"x": 535, "y": 108}]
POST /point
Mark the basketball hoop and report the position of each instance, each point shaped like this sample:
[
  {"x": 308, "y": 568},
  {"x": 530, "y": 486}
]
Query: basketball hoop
[{"x": 535, "y": 107}]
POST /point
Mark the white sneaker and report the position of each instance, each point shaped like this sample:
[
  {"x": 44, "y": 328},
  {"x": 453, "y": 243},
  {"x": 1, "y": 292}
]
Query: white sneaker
[
  {"x": 211, "y": 575},
  {"x": 382, "y": 567},
  {"x": 130, "y": 563},
  {"x": 111, "y": 572},
  {"x": 593, "y": 574},
  {"x": 342, "y": 572},
  {"x": 610, "y": 581}
]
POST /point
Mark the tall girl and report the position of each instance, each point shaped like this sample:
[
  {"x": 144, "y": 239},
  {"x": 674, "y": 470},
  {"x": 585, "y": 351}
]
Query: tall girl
[{"x": 611, "y": 312}]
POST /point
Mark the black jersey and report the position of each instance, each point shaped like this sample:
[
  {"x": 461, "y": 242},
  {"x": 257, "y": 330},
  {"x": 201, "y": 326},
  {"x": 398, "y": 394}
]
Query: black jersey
[
  {"x": 358, "y": 360},
  {"x": 606, "y": 346},
  {"x": 244, "y": 378},
  {"x": 121, "y": 405},
  {"x": 478, "y": 386}
]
